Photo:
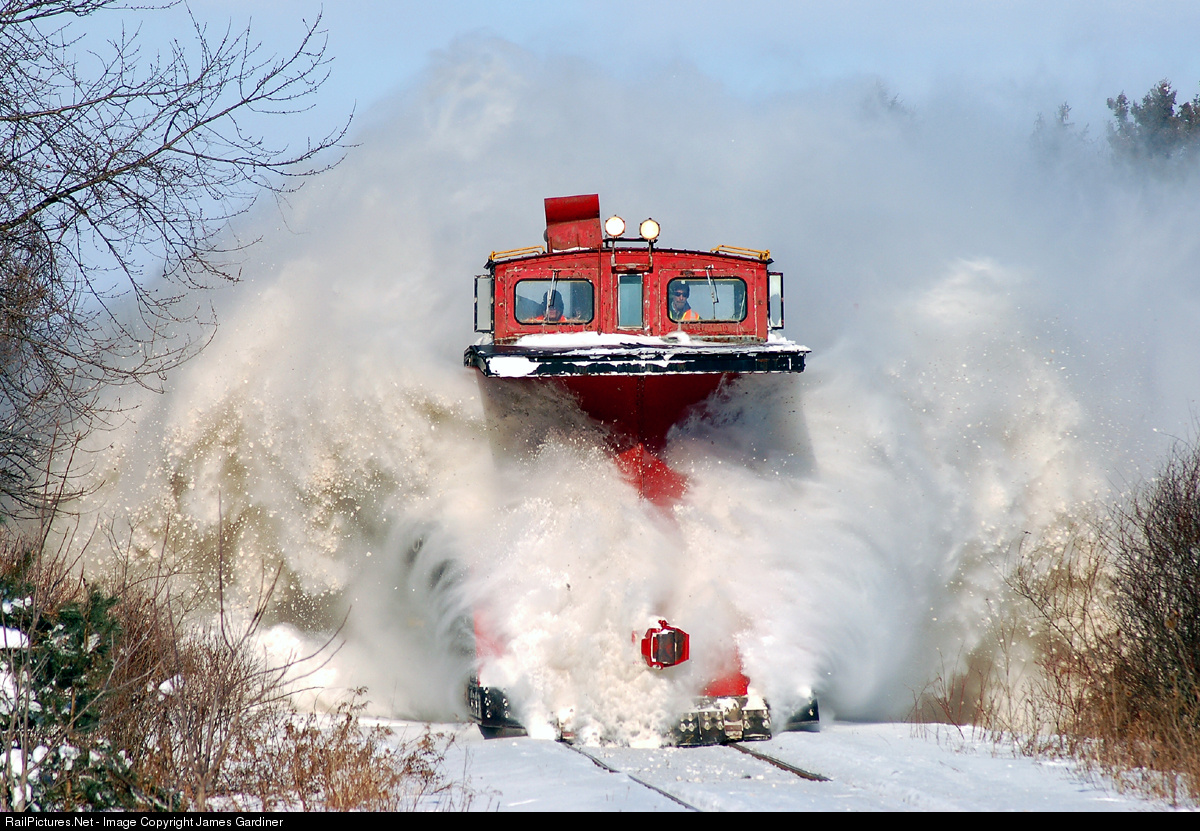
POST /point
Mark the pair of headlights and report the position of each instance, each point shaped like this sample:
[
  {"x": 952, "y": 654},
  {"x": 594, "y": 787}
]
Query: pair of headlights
[{"x": 615, "y": 226}]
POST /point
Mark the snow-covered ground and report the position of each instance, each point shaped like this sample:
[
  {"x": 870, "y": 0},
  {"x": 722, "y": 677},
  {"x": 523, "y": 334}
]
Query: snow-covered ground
[{"x": 869, "y": 767}]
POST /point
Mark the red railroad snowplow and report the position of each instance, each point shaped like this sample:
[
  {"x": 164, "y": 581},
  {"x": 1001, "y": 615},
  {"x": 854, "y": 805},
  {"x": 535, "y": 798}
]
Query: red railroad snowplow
[{"x": 637, "y": 335}]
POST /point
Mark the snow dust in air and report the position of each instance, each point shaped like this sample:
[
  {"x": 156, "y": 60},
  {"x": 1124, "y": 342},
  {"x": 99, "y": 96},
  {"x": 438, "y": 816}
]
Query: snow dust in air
[{"x": 995, "y": 334}]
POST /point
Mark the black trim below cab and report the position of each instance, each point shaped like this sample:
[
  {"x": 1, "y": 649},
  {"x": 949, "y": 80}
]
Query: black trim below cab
[{"x": 508, "y": 361}]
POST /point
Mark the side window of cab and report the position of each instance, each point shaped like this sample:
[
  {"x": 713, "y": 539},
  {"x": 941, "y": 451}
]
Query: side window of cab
[{"x": 541, "y": 302}]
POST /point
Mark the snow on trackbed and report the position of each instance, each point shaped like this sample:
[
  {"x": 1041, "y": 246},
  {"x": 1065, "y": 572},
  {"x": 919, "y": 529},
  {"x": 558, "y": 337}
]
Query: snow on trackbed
[{"x": 870, "y": 767}]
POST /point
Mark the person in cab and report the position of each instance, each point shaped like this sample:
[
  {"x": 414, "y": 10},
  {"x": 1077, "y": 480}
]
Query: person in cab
[
  {"x": 552, "y": 309},
  {"x": 680, "y": 308}
]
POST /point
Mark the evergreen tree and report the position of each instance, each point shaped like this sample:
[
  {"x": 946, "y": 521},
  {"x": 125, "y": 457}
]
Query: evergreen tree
[
  {"x": 56, "y": 666},
  {"x": 1156, "y": 129}
]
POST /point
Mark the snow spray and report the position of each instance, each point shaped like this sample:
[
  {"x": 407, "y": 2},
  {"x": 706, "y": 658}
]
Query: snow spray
[{"x": 996, "y": 336}]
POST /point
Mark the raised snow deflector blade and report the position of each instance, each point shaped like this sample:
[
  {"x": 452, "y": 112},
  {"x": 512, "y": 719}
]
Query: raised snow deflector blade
[{"x": 573, "y": 222}]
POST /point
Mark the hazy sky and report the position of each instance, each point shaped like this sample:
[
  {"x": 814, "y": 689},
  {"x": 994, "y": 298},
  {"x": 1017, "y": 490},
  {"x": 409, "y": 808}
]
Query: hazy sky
[{"x": 1030, "y": 54}]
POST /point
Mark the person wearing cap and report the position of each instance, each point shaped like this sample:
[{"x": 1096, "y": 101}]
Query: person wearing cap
[
  {"x": 552, "y": 305},
  {"x": 680, "y": 308}
]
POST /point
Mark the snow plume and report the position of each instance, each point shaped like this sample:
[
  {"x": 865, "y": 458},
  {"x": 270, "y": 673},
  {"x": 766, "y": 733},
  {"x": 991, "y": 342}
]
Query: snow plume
[
  {"x": 935, "y": 438},
  {"x": 995, "y": 338}
]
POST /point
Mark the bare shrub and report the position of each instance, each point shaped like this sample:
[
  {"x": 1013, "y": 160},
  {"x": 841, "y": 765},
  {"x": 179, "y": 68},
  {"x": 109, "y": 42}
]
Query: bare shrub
[
  {"x": 58, "y": 665},
  {"x": 997, "y": 689},
  {"x": 1147, "y": 707},
  {"x": 208, "y": 711},
  {"x": 1155, "y": 545},
  {"x": 1112, "y": 613},
  {"x": 213, "y": 719},
  {"x": 221, "y": 726},
  {"x": 336, "y": 763},
  {"x": 109, "y": 698},
  {"x": 1066, "y": 588},
  {"x": 957, "y": 698}
]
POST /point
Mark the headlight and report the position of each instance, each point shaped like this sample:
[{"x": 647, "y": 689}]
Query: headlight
[{"x": 649, "y": 230}]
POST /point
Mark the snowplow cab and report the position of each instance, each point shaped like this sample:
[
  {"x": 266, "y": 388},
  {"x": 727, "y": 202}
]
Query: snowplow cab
[{"x": 585, "y": 280}]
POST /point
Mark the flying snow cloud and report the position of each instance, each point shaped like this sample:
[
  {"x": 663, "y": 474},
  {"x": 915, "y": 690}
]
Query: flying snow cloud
[{"x": 996, "y": 336}]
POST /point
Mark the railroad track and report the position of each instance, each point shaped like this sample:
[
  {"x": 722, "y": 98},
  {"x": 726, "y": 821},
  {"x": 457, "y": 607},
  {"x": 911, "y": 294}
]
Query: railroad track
[{"x": 781, "y": 764}]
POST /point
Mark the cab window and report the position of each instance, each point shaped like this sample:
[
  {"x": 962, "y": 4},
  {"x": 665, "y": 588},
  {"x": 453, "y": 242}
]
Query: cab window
[
  {"x": 629, "y": 301},
  {"x": 554, "y": 301},
  {"x": 702, "y": 299}
]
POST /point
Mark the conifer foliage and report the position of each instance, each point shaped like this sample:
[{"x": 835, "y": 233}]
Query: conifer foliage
[
  {"x": 1156, "y": 128},
  {"x": 61, "y": 642}
]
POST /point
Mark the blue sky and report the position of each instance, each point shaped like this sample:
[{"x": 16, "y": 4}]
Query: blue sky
[{"x": 1026, "y": 55}]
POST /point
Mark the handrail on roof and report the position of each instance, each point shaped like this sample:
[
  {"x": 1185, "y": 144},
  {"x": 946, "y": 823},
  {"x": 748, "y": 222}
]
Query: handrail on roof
[
  {"x": 742, "y": 252},
  {"x": 516, "y": 252}
]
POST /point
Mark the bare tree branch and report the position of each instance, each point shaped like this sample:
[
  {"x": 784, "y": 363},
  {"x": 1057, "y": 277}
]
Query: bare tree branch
[{"x": 119, "y": 174}]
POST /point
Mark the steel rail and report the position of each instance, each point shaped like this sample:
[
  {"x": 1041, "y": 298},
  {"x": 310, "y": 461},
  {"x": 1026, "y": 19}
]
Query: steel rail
[
  {"x": 779, "y": 763},
  {"x": 600, "y": 763}
]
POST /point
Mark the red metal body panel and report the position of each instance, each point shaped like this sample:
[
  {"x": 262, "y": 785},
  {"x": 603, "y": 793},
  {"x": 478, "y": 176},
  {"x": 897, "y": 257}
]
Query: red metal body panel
[
  {"x": 640, "y": 408},
  {"x": 573, "y": 222},
  {"x": 734, "y": 683},
  {"x": 658, "y": 268},
  {"x": 638, "y": 412},
  {"x": 650, "y": 475}
]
